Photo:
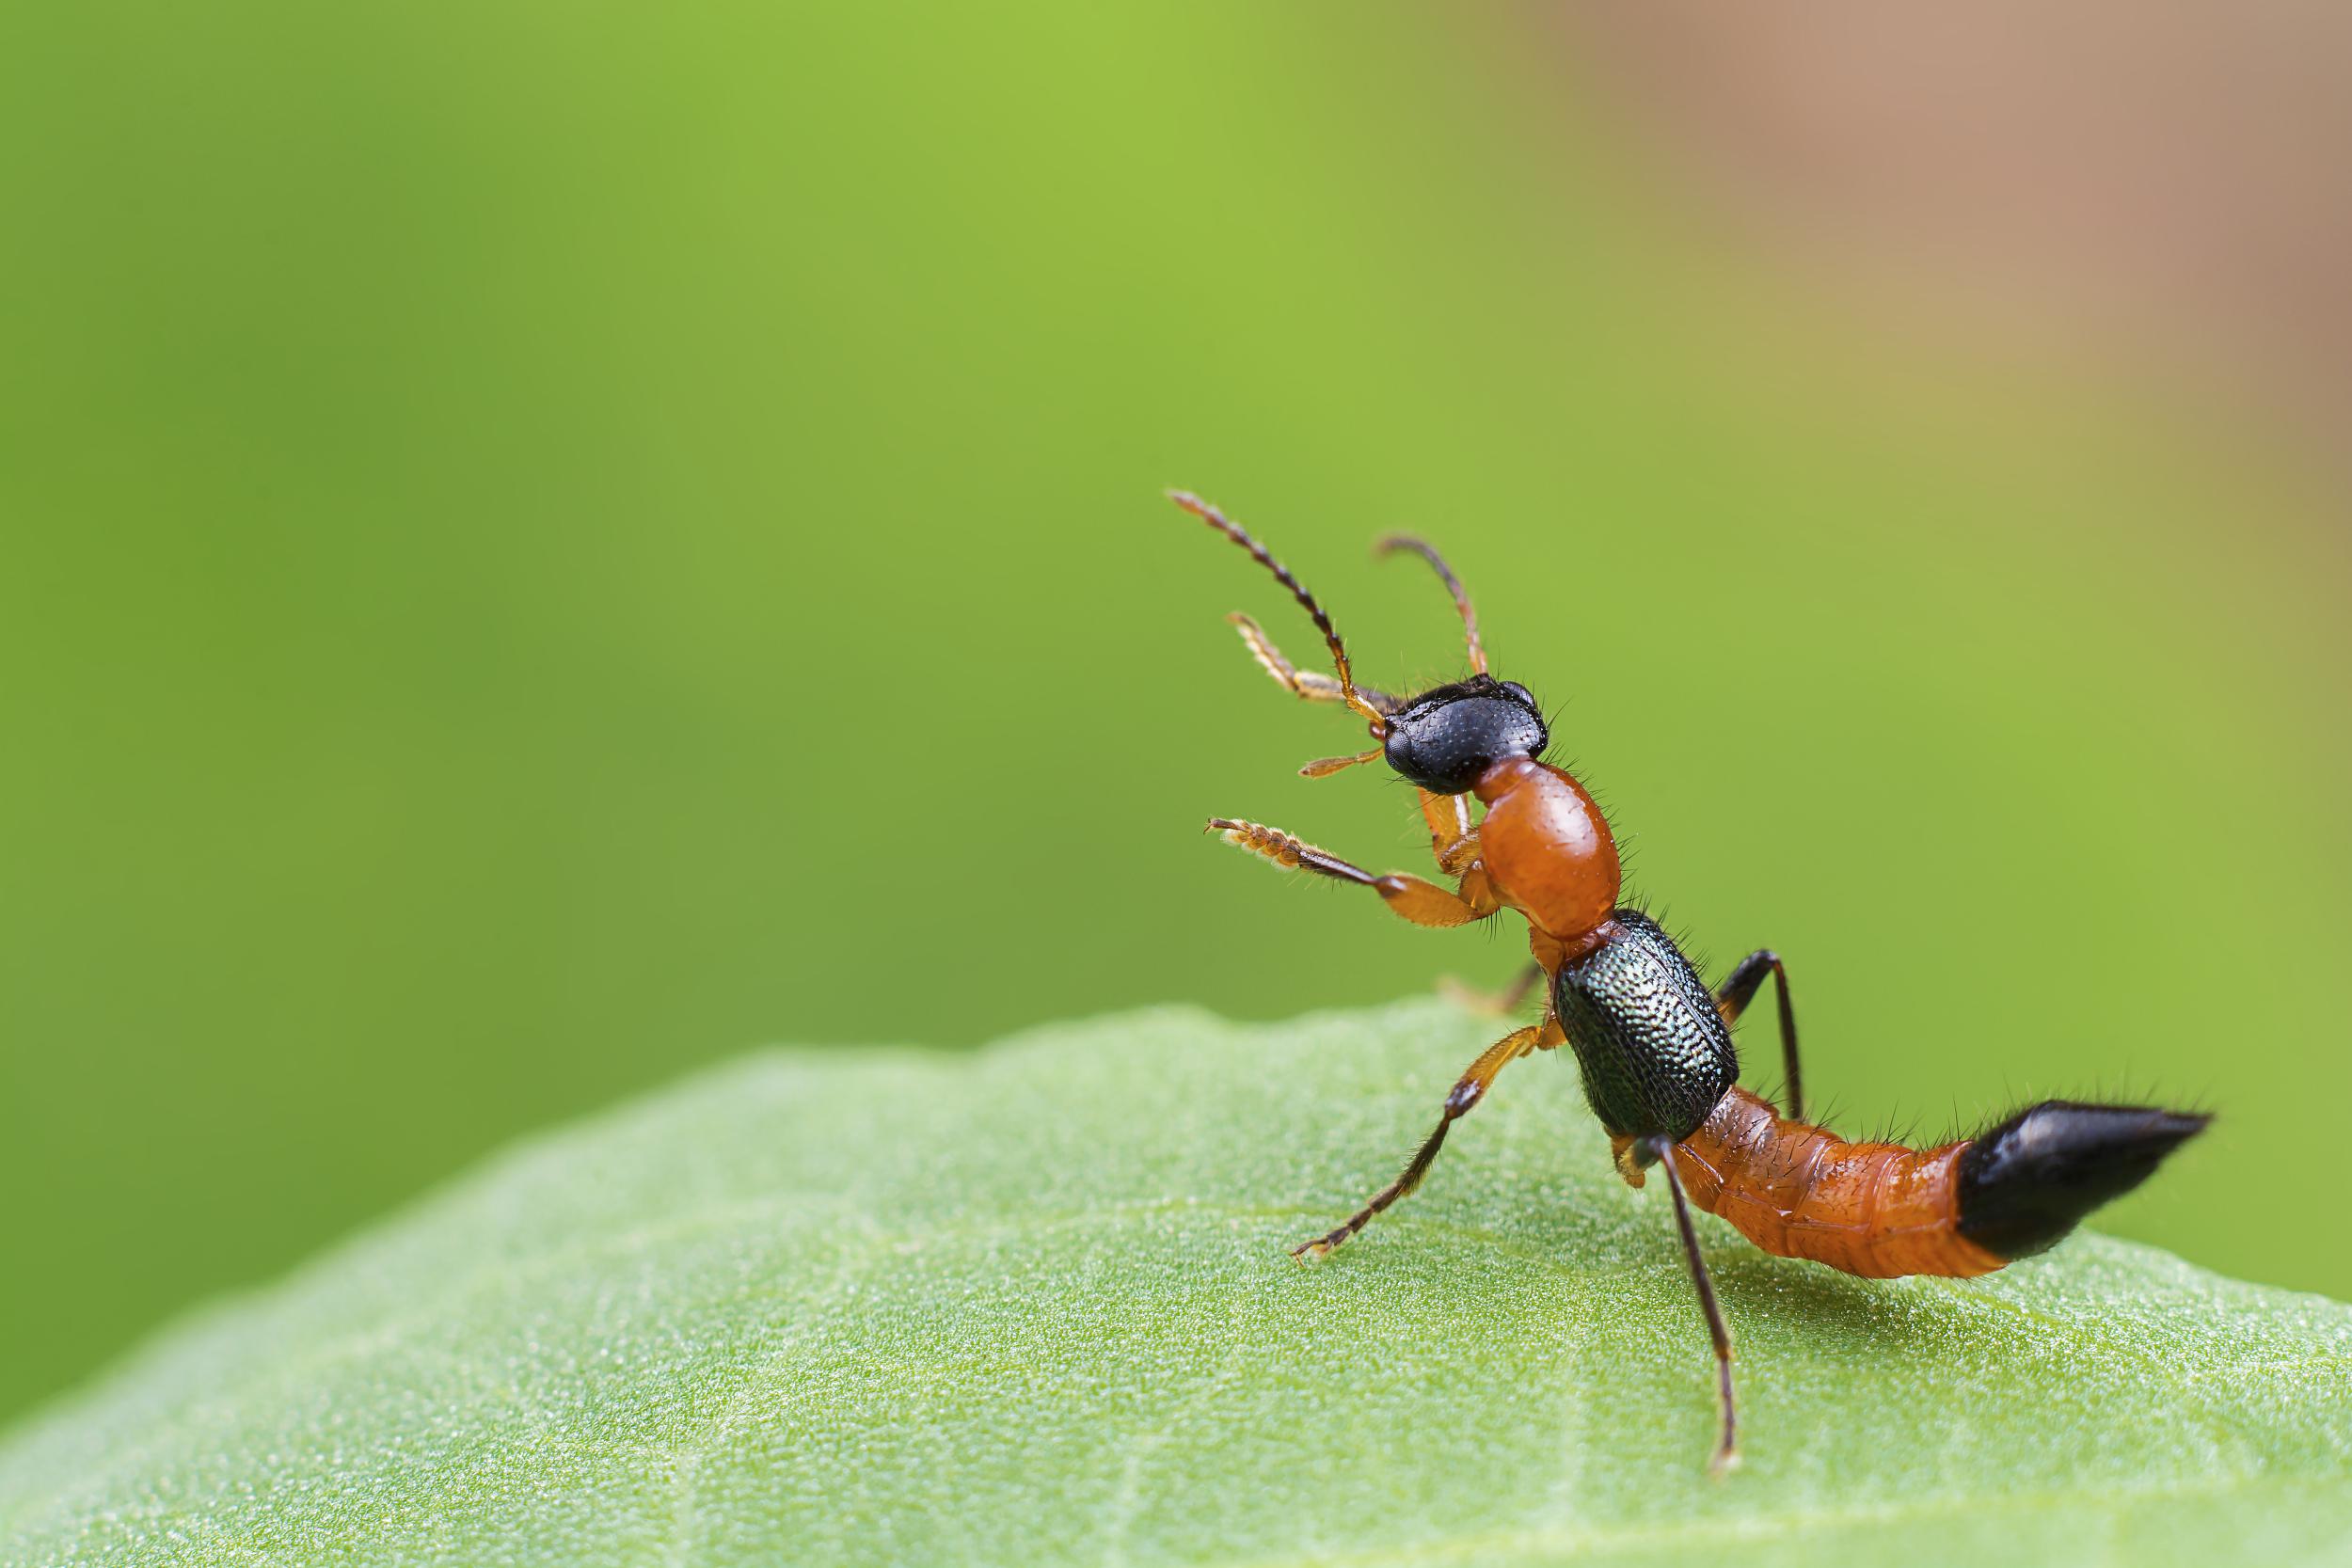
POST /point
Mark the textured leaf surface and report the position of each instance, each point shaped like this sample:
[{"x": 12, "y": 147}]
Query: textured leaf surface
[{"x": 1034, "y": 1307}]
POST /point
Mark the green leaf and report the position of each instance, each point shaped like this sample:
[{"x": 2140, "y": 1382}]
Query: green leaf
[{"x": 1034, "y": 1307}]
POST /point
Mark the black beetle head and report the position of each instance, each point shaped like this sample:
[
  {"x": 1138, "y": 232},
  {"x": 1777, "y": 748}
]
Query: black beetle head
[{"x": 1442, "y": 740}]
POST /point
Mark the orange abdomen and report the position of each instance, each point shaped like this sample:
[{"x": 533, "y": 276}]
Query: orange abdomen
[{"x": 1870, "y": 1209}]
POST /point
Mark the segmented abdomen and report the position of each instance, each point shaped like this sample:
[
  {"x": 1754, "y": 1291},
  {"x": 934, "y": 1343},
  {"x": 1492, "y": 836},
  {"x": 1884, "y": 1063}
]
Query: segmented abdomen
[{"x": 1869, "y": 1209}]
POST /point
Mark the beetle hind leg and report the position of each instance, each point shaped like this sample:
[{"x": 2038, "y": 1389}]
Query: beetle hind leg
[{"x": 1726, "y": 1452}]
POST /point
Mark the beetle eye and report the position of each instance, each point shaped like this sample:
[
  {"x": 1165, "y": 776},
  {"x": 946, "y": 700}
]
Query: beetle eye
[{"x": 1520, "y": 695}]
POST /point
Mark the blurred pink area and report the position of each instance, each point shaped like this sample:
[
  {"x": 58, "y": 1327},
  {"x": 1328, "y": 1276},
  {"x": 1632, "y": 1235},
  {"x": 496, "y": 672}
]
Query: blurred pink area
[{"x": 2156, "y": 185}]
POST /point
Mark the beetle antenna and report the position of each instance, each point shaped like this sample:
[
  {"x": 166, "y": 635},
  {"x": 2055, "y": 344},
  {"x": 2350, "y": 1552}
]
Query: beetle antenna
[
  {"x": 1233, "y": 531},
  {"x": 1389, "y": 543}
]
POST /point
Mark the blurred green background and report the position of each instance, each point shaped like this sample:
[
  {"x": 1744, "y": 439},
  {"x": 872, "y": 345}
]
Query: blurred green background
[{"x": 549, "y": 545}]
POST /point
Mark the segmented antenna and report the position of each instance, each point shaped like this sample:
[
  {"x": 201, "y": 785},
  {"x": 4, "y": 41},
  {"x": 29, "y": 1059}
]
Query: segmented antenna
[
  {"x": 1234, "y": 532},
  {"x": 1392, "y": 543}
]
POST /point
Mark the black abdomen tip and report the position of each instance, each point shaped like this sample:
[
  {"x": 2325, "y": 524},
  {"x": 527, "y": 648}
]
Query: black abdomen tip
[{"x": 2026, "y": 1183}]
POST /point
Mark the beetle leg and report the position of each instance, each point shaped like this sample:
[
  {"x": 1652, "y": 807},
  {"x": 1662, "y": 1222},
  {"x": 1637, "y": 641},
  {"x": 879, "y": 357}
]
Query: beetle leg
[
  {"x": 1423, "y": 903},
  {"x": 1312, "y": 685},
  {"x": 1739, "y": 989},
  {"x": 1467, "y": 1091},
  {"x": 1494, "y": 1003},
  {"x": 1726, "y": 1444}
]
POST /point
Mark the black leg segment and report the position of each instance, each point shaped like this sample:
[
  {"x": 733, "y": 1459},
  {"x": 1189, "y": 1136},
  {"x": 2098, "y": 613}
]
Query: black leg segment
[
  {"x": 1727, "y": 1445},
  {"x": 1732, "y": 998}
]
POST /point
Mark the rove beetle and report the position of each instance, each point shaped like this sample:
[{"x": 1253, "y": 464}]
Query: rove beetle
[{"x": 1652, "y": 1041}]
